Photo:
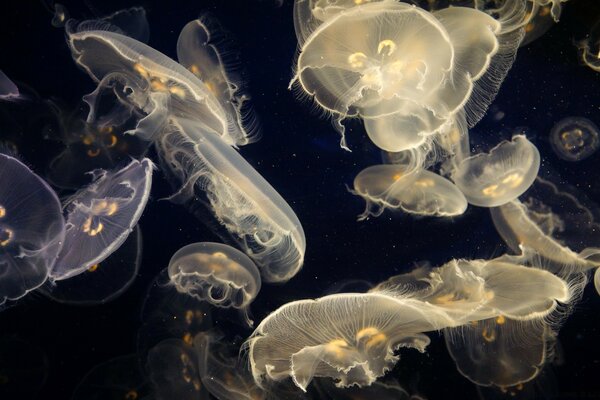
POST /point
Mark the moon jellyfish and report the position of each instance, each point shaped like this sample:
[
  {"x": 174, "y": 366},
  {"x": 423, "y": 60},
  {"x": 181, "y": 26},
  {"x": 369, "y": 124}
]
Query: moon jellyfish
[
  {"x": 101, "y": 216},
  {"x": 539, "y": 23},
  {"x": 24, "y": 368},
  {"x": 102, "y": 282},
  {"x": 8, "y": 90},
  {"x": 32, "y": 229},
  {"x": 408, "y": 83},
  {"x": 416, "y": 192},
  {"x": 495, "y": 178},
  {"x": 261, "y": 221},
  {"x": 556, "y": 6},
  {"x": 217, "y": 273},
  {"x": 574, "y": 138},
  {"x": 348, "y": 337},
  {"x": 589, "y": 48}
]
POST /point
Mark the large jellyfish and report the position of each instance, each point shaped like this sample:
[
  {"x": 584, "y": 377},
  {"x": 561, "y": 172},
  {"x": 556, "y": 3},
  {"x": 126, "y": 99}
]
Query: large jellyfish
[
  {"x": 574, "y": 138},
  {"x": 217, "y": 273},
  {"x": 495, "y": 178},
  {"x": 101, "y": 216},
  {"x": 32, "y": 229},
  {"x": 406, "y": 72},
  {"x": 260, "y": 220}
]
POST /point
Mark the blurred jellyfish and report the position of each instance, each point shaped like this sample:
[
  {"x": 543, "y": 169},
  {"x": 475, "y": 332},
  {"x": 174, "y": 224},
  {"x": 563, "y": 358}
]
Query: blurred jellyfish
[
  {"x": 116, "y": 379},
  {"x": 24, "y": 368},
  {"x": 556, "y": 6},
  {"x": 173, "y": 372},
  {"x": 258, "y": 218},
  {"x": 221, "y": 370},
  {"x": 217, "y": 273},
  {"x": 540, "y": 22},
  {"x": 416, "y": 192},
  {"x": 8, "y": 90},
  {"x": 102, "y": 282},
  {"x": 409, "y": 83},
  {"x": 60, "y": 17},
  {"x": 349, "y": 337},
  {"x": 101, "y": 216},
  {"x": 32, "y": 229},
  {"x": 495, "y": 178},
  {"x": 589, "y": 48},
  {"x": 574, "y": 138}
]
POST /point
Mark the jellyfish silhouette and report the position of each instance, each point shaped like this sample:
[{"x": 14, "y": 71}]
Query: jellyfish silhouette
[
  {"x": 32, "y": 229},
  {"x": 574, "y": 138},
  {"x": 100, "y": 217}
]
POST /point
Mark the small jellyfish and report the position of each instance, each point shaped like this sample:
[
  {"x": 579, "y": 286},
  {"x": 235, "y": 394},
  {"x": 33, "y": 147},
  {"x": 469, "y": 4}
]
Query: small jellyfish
[
  {"x": 217, "y": 273},
  {"x": 589, "y": 48},
  {"x": 100, "y": 217},
  {"x": 416, "y": 192},
  {"x": 8, "y": 90},
  {"x": 574, "y": 138},
  {"x": 351, "y": 338},
  {"x": 495, "y": 178},
  {"x": 60, "y": 17},
  {"x": 32, "y": 229}
]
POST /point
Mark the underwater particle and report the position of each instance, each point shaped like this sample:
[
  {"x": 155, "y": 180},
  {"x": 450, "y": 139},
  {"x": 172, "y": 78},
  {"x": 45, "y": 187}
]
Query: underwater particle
[
  {"x": 574, "y": 138},
  {"x": 32, "y": 229},
  {"x": 100, "y": 217},
  {"x": 495, "y": 178},
  {"x": 217, "y": 273}
]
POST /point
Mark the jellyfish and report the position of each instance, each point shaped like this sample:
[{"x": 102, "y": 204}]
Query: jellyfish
[
  {"x": 60, "y": 16},
  {"x": 102, "y": 282},
  {"x": 540, "y": 22},
  {"x": 589, "y": 48},
  {"x": 495, "y": 178},
  {"x": 416, "y": 192},
  {"x": 24, "y": 368},
  {"x": 556, "y": 7},
  {"x": 217, "y": 273},
  {"x": 118, "y": 378},
  {"x": 348, "y": 337},
  {"x": 574, "y": 138},
  {"x": 406, "y": 85},
  {"x": 100, "y": 217},
  {"x": 388, "y": 390},
  {"x": 8, "y": 90},
  {"x": 258, "y": 218},
  {"x": 32, "y": 229},
  {"x": 597, "y": 280}
]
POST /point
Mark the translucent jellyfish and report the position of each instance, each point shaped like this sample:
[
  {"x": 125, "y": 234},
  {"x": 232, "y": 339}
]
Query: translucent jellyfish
[
  {"x": 149, "y": 81},
  {"x": 24, "y": 368},
  {"x": 32, "y": 229},
  {"x": 409, "y": 82},
  {"x": 539, "y": 23},
  {"x": 416, "y": 192},
  {"x": 100, "y": 216},
  {"x": 8, "y": 90},
  {"x": 597, "y": 280},
  {"x": 556, "y": 6},
  {"x": 589, "y": 48},
  {"x": 348, "y": 337},
  {"x": 222, "y": 372},
  {"x": 60, "y": 17},
  {"x": 217, "y": 273},
  {"x": 257, "y": 217},
  {"x": 574, "y": 138},
  {"x": 102, "y": 282},
  {"x": 116, "y": 379},
  {"x": 495, "y": 178}
]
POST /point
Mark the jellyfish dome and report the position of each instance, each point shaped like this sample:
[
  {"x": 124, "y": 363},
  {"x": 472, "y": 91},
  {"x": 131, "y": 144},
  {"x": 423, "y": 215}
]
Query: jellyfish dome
[
  {"x": 217, "y": 273},
  {"x": 495, "y": 178},
  {"x": 32, "y": 229},
  {"x": 575, "y": 138},
  {"x": 406, "y": 72},
  {"x": 100, "y": 217}
]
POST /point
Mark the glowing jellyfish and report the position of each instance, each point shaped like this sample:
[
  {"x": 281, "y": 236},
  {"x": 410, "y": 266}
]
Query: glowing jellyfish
[
  {"x": 24, "y": 368},
  {"x": 258, "y": 218},
  {"x": 101, "y": 216},
  {"x": 495, "y": 178},
  {"x": 8, "y": 90},
  {"x": 416, "y": 192},
  {"x": 150, "y": 82},
  {"x": 589, "y": 48},
  {"x": 32, "y": 229},
  {"x": 574, "y": 138},
  {"x": 102, "y": 282},
  {"x": 351, "y": 338},
  {"x": 217, "y": 273},
  {"x": 119, "y": 378},
  {"x": 406, "y": 84}
]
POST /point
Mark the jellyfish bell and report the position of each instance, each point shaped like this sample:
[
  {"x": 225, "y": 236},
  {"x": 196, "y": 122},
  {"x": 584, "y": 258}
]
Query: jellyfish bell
[
  {"x": 221, "y": 275},
  {"x": 258, "y": 218},
  {"x": 8, "y": 90},
  {"x": 416, "y": 192},
  {"x": 495, "y": 178},
  {"x": 100, "y": 217},
  {"x": 574, "y": 138},
  {"x": 32, "y": 229}
]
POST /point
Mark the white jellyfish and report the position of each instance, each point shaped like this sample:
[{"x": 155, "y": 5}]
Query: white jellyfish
[
  {"x": 217, "y": 273},
  {"x": 100, "y": 216}
]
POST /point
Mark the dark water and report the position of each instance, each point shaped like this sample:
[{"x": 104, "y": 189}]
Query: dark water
[{"x": 299, "y": 155}]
